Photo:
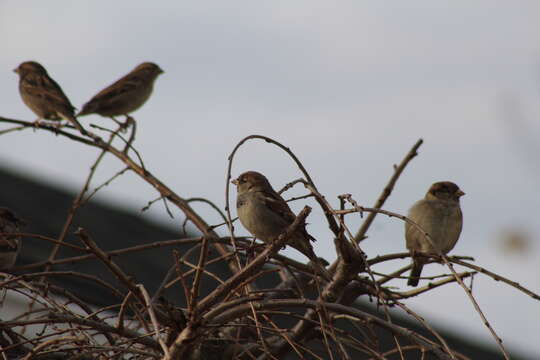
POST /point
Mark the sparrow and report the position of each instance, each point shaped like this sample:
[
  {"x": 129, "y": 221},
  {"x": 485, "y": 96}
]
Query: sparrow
[
  {"x": 438, "y": 214},
  {"x": 125, "y": 95},
  {"x": 43, "y": 95},
  {"x": 9, "y": 244},
  {"x": 266, "y": 215}
]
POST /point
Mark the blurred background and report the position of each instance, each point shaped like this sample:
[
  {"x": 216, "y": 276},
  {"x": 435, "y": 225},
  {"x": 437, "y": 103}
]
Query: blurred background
[{"x": 349, "y": 86}]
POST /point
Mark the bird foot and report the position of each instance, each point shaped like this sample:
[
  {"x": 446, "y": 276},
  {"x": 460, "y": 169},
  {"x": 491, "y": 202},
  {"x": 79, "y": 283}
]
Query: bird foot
[
  {"x": 55, "y": 125},
  {"x": 123, "y": 125},
  {"x": 37, "y": 124}
]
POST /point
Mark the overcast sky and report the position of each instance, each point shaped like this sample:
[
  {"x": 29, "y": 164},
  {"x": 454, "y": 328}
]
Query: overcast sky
[{"x": 349, "y": 86}]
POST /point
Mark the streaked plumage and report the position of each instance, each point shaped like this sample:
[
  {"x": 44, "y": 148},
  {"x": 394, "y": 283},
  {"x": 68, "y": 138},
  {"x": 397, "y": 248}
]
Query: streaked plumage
[
  {"x": 265, "y": 214},
  {"x": 9, "y": 245},
  {"x": 439, "y": 214},
  {"x": 125, "y": 95},
  {"x": 43, "y": 95}
]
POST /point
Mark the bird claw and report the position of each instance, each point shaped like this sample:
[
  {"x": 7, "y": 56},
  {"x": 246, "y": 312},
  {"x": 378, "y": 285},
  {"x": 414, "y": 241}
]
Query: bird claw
[
  {"x": 37, "y": 124},
  {"x": 123, "y": 125}
]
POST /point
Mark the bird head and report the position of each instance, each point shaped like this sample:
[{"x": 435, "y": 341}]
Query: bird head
[
  {"x": 30, "y": 67},
  {"x": 444, "y": 190},
  {"x": 251, "y": 181},
  {"x": 148, "y": 69}
]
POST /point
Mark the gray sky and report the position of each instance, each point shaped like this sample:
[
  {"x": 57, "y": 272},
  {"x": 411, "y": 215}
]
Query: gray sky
[{"x": 349, "y": 86}]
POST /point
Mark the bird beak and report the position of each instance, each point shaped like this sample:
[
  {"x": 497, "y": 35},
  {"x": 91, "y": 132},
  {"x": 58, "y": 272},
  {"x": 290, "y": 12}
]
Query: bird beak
[
  {"x": 16, "y": 70},
  {"x": 235, "y": 182},
  {"x": 460, "y": 193}
]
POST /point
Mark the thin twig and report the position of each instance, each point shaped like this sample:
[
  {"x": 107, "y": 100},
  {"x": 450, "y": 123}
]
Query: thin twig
[
  {"x": 152, "y": 314},
  {"x": 477, "y": 307},
  {"x": 360, "y": 235}
]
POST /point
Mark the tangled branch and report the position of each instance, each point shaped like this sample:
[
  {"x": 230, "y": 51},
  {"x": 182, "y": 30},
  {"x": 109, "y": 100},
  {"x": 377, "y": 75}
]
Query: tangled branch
[{"x": 252, "y": 313}]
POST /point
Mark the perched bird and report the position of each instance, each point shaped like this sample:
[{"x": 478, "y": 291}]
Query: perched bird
[
  {"x": 265, "y": 214},
  {"x": 439, "y": 215},
  {"x": 9, "y": 244},
  {"x": 43, "y": 95},
  {"x": 125, "y": 95}
]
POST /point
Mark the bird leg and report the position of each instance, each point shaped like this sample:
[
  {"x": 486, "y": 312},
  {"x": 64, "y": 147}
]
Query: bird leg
[
  {"x": 37, "y": 124},
  {"x": 130, "y": 121},
  {"x": 57, "y": 126},
  {"x": 41, "y": 123},
  {"x": 123, "y": 125}
]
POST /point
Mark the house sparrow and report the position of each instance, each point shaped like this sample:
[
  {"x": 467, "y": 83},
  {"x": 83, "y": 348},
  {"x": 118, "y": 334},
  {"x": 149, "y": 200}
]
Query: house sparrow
[
  {"x": 440, "y": 216},
  {"x": 9, "y": 245},
  {"x": 43, "y": 95},
  {"x": 125, "y": 95},
  {"x": 265, "y": 214}
]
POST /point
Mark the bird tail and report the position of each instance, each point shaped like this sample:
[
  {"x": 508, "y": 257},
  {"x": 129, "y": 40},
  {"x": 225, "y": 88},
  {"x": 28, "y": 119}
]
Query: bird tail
[
  {"x": 316, "y": 262},
  {"x": 416, "y": 270},
  {"x": 88, "y": 108},
  {"x": 76, "y": 123}
]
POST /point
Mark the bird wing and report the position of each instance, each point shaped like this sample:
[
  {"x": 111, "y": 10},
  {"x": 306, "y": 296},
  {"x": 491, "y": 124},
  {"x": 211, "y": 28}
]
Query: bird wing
[
  {"x": 9, "y": 224},
  {"x": 279, "y": 206},
  {"x": 455, "y": 226},
  {"x": 441, "y": 220},
  {"x": 122, "y": 86},
  {"x": 43, "y": 86},
  {"x": 421, "y": 214}
]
